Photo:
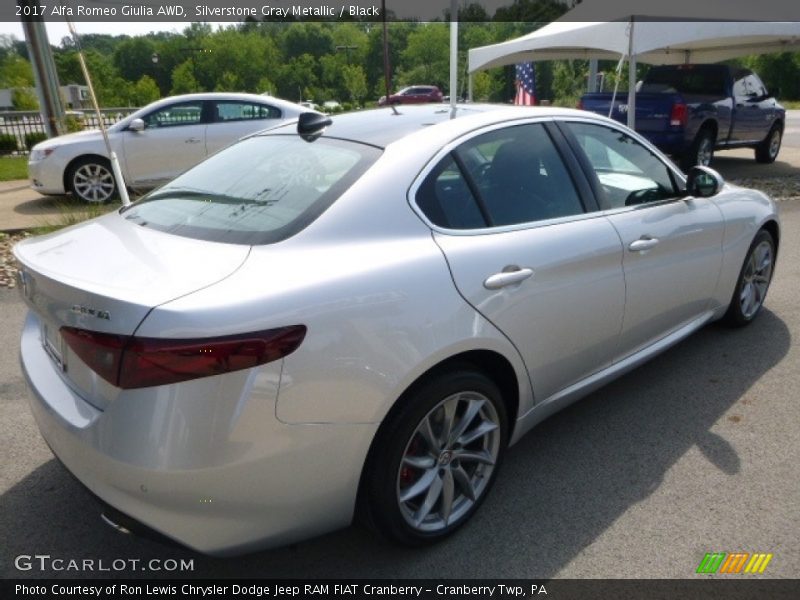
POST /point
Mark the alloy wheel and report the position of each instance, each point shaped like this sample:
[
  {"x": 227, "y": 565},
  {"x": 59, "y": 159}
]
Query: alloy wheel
[{"x": 448, "y": 462}]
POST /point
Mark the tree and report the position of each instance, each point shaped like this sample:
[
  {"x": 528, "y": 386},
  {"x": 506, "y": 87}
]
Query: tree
[
  {"x": 145, "y": 91},
  {"x": 133, "y": 58},
  {"x": 355, "y": 82},
  {"x": 183, "y": 81},
  {"x": 426, "y": 59},
  {"x": 24, "y": 99}
]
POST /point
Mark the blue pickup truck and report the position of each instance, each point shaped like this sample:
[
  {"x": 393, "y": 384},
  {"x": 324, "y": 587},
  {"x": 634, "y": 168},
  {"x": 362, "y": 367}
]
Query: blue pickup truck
[{"x": 689, "y": 111}]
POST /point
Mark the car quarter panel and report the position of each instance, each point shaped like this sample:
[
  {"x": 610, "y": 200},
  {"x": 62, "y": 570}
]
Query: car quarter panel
[
  {"x": 380, "y": 310},
  {"x": 196, "y": 461}
]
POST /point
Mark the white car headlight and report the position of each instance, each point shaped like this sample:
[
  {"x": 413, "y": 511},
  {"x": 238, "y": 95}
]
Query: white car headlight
[{"x": 41, "y": 153}]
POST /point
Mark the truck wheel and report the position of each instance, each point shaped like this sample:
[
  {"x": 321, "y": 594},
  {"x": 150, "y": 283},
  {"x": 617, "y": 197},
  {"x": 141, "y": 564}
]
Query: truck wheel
[
  {"x": 701, "y": 151},
  {"x": 767, "y": 151}
]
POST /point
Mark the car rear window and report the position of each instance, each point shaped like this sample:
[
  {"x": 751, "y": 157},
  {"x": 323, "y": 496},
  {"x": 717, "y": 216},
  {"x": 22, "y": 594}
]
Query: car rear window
[{"x": 259, "y": 191}]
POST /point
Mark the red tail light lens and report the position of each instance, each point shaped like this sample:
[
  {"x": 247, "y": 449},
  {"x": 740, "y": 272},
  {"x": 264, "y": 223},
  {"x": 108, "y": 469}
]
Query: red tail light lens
[
  {"x": 679, "y": 115},
  {"x": 135, "y": 362},
  {"x": 580, "y": 104}
]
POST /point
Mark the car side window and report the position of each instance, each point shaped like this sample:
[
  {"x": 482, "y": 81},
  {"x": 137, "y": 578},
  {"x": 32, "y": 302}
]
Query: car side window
[
  {"x": 445, "y": 198},
  {"x": 508, "y": 176},
  {"x": 243, "y": 111},
  {"x": 186, "y": 113},
  {"x": 628, "y": 172},
  {"x": 741, "y": 84}
]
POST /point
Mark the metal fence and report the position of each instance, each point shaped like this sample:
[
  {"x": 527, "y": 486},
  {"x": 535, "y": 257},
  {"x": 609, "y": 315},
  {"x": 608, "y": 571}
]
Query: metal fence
[{"x": 26, "y": 128}]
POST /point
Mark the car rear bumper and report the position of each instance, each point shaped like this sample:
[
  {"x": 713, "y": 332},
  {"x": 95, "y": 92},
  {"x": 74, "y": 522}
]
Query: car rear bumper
[{"x": 217, "y": 473}]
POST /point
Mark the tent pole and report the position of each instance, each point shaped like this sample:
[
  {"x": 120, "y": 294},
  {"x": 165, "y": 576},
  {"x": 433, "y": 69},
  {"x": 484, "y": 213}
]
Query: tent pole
[
  {"x": 631, "y": 78},
  {"x": 453, "y": 56},
  {"x": 469, "y": 88}
]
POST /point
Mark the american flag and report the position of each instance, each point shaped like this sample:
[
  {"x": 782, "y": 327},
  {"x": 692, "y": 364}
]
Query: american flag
[{"x": 526, "y": 85}]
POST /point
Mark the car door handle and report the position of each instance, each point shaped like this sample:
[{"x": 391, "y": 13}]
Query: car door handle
[
  {"x": 193, "y": 140},
  {"x": 505, "y": 278},
  {"x": 643, "y": 243}
]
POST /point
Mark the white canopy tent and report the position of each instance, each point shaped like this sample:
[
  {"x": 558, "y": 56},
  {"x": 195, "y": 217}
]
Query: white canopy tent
[{"x": 653, "y": 32}]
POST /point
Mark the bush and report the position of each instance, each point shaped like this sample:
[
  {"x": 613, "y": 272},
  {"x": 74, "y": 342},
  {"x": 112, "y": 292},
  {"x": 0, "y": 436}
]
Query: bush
[
  {"x": 8, "y": 143},
  {"x": 31, "y": 139},
  {"x": 73, "y": 123}
]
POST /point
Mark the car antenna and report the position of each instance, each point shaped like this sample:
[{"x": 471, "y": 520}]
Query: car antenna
[{"x": 115, "y": 168}]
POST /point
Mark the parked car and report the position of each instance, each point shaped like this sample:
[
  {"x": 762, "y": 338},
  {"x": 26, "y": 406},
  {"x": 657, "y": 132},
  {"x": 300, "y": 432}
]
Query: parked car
[
  {"x": 691, "y": 110},
  {"x": 415, "y": 94},
  {"x": 154, "y": 144},
  {"x": 357, "y": 315}
]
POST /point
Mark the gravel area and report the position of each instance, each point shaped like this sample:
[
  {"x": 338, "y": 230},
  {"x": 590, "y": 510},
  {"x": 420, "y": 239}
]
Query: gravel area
[{"x": 779, "y": 188}]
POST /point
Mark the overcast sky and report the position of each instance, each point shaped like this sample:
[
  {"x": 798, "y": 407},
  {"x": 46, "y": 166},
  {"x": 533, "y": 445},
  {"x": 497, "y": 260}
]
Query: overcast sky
[{"x": 58, "y": 29}]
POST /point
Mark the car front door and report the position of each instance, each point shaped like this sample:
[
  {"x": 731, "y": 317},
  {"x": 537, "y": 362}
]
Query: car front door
[
  {"x": 173, "y": 140},
  {"x": 525, "y": 253},
  {"x": 234, "y": 119},
  {"x": 672, "y": 244}
]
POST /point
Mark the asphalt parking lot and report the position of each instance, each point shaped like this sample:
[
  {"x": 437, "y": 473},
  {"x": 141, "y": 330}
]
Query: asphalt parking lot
[{"x": 698, "y": 451}]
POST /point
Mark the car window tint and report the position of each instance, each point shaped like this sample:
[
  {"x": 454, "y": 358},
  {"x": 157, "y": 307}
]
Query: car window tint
[
  {"x": 187, "y": 113},
  {"x": 445, "y": 198},
  {"x": 520, "y": 176},
  {"x": 629, "y": 173},
  {"x": 258, "y": 191},
  {"x": 244, "y": 111}
]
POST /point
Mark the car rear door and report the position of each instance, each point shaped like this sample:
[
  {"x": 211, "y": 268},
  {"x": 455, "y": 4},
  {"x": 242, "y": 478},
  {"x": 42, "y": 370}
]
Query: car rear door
[
  {"x": 231, "y": 120},
  {"x": 524, "y": 251},
  {"x": 173, "y": 140},
  {"x": 672, "y": 244}
]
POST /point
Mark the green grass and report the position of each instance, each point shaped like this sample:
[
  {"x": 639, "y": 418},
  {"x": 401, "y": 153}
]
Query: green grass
[
  {"x": 790, "y": 104},
  {"x": 13, "y": 167},
  {"x": 73, "y": 212}
]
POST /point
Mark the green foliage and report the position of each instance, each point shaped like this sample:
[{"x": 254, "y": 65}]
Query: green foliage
[
  {"x": 426, "y": 59},
  {"x": 183, "y": 81},
  {"x": 569, "y": 82},
  {"x": 15, "y": 72},
  {"x": 8, "y": 143},
  {"x": 73, "y": 123},
  {"x": 355, "y": 82},
  {"x": 24, "y": 99},
  {"x": 144, "y": 91},
  {"x": 33, "y": 138}
]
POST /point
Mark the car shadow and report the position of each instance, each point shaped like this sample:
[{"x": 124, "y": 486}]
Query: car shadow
[{"x": 561, "y": 486}]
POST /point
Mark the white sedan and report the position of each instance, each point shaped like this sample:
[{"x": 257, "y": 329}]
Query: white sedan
[{"x": 154, "y": 145}]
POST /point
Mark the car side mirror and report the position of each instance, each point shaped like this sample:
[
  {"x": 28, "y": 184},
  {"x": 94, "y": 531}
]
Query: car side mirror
[
  {"x": 703, "y": 182},
  {"x": 137, "y": 125}
]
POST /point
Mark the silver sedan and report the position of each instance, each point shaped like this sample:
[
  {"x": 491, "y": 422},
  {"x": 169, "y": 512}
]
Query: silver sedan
[{"x": 357, "y": 316}]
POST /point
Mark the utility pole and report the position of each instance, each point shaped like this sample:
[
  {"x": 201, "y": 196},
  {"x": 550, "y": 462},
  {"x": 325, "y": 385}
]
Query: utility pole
[{"x": 44, "y": 69}]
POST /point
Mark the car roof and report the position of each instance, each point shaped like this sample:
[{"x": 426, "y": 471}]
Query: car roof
[{"x": 383, "y": 126}]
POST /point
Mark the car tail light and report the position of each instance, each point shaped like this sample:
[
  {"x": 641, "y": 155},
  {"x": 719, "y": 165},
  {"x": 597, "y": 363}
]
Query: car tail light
[
  {"x": 580, "y": 104},
  {"x": 679, "y": 115},
  {"x": 136, "y": 362}
]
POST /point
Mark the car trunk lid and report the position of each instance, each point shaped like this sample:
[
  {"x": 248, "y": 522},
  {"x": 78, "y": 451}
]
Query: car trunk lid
[{"x": 104, "y": 276}]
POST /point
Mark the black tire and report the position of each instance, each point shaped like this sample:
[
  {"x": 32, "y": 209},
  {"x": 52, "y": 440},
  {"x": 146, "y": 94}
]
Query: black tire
[
  {"x": 753, "y": 282},
  {"x": 389, "y": 473},
  {"x": 701, "y": 152},
  {"x": 767, "y": 151},
  {"x": 91, "y": 179}
]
